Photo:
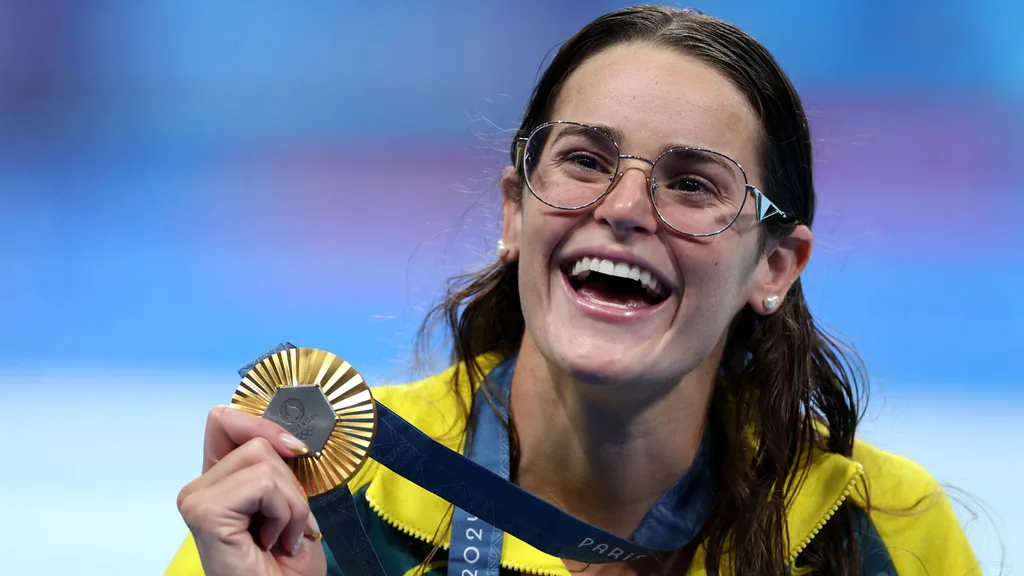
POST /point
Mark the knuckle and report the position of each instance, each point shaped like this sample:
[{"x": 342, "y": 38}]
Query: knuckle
[
  {"x": 262, "y": 447},
  {"x": 299, "y": 488},
  {"x": 188, "y": 506},
  {"x": 264, "y": 485},
  {"x": 182, "y": 497},
  {"x": 213, "y": 416},
  {"x": 302, "y": 509},
  {"x": 266, "y": 476},
  {"x": 186, "y": 491}
]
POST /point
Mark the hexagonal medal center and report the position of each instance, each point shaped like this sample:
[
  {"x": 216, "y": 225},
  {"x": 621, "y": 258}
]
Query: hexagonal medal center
[{"x": 305, "y": 413}]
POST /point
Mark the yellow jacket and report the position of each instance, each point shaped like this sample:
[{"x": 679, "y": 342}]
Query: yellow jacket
[{"x": 910, "y": 513}]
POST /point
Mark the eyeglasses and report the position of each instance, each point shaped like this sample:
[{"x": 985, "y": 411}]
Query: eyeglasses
[{"x": 696, "y": 192}]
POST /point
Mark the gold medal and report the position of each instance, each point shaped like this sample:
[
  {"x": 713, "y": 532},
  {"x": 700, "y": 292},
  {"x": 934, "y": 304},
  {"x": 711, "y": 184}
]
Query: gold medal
[{"x": 323, "y": 401}]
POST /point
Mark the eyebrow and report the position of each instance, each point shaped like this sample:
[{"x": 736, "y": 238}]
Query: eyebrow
[
  {"x": 706, "y": 153},
  {"x": 714, "y": 157},
  {"x": 576, "y": 130},
  {"x": 614, "y": 133},
  {"x": 569, "y": 130}
]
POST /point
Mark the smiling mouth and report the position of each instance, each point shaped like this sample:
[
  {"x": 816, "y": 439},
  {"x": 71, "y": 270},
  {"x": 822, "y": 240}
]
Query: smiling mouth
[{"x": 615, "y": 284}]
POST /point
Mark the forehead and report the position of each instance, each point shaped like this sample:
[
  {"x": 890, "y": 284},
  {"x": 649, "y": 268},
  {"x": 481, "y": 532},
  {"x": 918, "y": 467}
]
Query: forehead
[{"x": 655, "y": 97}]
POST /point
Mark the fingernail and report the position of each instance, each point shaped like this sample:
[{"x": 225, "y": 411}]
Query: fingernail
[
  {"x": 312, "y": 527},
  {"x": 296, "y": 546},
  {"x": 294, "y": 444}
]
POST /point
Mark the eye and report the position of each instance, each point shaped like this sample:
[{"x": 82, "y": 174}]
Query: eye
[
  {"x": 689, "y": 184},
  {"x": 586, "y": 161}
]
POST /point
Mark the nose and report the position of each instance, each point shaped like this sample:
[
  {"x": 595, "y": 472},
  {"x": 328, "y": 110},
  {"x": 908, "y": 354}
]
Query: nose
[{"x": 627, "y": 208}]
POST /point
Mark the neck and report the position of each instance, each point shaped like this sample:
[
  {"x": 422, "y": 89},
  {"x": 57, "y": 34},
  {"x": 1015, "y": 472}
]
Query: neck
[{"x": 603, "y": 460}]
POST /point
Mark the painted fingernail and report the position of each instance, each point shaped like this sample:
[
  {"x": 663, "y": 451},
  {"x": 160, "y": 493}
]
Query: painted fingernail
[
  {"x": 294, "y": 444},
  {"x": 312, "y": 527}
]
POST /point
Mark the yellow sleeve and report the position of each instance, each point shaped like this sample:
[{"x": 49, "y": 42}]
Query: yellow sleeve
[
  {"x": 914, "y": 517},
  {"x": 186, "y": 560}
]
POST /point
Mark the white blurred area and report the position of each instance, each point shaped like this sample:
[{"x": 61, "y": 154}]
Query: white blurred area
[{"x": 94, "y": 494}]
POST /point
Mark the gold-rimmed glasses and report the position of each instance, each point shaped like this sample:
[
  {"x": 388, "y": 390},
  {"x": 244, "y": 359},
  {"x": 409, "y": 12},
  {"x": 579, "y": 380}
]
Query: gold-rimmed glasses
[{"x": 695, "y": 191}]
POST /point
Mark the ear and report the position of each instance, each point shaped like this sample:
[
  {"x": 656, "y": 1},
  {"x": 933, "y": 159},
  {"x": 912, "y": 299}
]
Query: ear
[
  {"x": 779, "y": 269},
  {"x": 511, "y": 213}
]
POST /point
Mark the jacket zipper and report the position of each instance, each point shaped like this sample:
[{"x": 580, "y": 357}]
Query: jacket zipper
[
  {"x": 428, "y": 539},
  {"x": 828, "y": 516}
]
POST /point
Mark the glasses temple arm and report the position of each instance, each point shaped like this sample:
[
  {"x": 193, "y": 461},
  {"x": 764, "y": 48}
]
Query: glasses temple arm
[
  {"x": 517, "y": 152},
  {"x": 765, "y": 208}
]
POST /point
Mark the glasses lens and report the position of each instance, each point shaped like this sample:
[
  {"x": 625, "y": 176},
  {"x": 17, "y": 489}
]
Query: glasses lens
[
  {"x": 698, "y": 191},
  {"x": 569, "y": 166}
]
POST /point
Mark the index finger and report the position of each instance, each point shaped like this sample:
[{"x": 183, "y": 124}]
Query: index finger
[{"x": 227, "y": 429}]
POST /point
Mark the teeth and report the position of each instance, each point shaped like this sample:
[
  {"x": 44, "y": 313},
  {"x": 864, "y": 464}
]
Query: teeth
[{"x": 584, "y": 266}]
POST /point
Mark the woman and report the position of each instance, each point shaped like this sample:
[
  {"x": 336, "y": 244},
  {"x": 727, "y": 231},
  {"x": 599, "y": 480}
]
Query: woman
[{"x": 645, "y": 305}]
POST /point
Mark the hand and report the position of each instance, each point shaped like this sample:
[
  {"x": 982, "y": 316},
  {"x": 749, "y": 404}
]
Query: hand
[{"x": 247, "y": 512}]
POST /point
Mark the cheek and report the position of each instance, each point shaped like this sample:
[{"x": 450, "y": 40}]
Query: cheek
[
  {"x": 533, "y": 245},
  {"x": 714, "y": 276},
  {"x": 542, "y": 232},
  {"x": 537, "y": 243}
]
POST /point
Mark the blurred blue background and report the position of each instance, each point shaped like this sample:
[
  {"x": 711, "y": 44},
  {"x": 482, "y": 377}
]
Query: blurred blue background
[{"x": 184, "y": 184}]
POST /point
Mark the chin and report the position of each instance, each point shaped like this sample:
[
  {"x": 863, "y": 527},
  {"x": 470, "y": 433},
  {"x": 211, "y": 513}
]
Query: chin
[{"x": 604, "y": 364}]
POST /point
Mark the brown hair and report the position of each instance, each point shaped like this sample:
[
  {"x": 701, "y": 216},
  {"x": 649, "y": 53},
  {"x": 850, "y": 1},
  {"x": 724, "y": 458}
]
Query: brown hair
[{"x": 780, "y": 374}]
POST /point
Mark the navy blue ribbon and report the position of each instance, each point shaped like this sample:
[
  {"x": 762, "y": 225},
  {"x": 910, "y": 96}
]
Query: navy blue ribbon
[
  {"x": 476, "y": 545},
  {"x": 488, "y": 497}
]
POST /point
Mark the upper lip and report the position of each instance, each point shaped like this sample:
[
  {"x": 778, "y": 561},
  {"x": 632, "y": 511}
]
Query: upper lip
[{"x": 572, "y": 257}]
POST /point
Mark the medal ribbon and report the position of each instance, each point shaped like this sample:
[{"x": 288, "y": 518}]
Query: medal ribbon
[{"x": 488, "y": 505}]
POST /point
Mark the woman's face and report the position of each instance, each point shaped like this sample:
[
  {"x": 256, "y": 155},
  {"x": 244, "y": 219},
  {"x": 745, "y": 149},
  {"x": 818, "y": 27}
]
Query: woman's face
[{"x": 656, "y": 99}]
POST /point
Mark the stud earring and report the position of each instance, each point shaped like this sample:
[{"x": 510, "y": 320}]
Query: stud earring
[
  {"x": 502, "y": 250},
  {"x": 770, "y": 302}
]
